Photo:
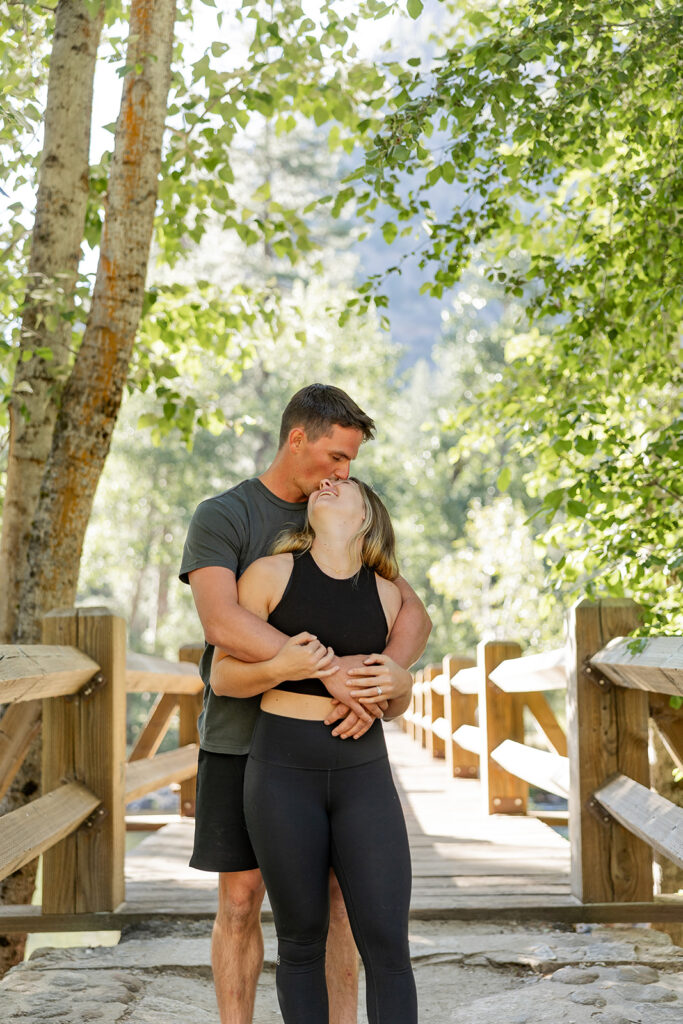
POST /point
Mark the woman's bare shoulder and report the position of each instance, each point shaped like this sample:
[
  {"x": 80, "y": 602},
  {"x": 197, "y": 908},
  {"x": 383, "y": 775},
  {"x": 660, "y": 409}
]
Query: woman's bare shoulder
[
  {"x": 263, "y": 583},
  {"x": 270, "y": 567}
]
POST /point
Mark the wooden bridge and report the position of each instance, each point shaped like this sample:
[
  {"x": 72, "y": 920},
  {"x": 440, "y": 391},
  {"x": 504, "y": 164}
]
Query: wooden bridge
[{"x": 458, "y": 755}]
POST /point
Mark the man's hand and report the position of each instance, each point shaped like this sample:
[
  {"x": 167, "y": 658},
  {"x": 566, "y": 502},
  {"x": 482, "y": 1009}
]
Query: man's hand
[
  {"x": 336, "y": 686},
  {"x": 349, "y": 723}
]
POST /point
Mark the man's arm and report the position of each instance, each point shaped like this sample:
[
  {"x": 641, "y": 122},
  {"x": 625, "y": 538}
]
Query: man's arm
[
  {"x": 411, "y": 630},
  {"x": 227, "y": 624}
]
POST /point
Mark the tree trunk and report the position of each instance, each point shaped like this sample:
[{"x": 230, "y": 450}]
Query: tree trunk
[
  {"x": 53, "y": 268},
  {"x": 91, "y": 399},
  {"x": 92, "y": 396}
]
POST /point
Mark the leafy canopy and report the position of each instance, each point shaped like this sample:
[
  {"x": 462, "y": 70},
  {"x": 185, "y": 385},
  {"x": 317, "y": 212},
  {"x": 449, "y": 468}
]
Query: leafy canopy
[{"x": 555, "y": 126}]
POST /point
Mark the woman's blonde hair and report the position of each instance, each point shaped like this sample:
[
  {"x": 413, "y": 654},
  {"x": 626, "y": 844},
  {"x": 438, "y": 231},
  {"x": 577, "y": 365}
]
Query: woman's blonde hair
[{"x": 378, "y": 543}]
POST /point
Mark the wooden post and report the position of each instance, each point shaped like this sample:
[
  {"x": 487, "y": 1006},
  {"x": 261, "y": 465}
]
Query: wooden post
[
  {"x": 190, "y": 708},
  {"x": 84, "y": 740},
  {"x": 460, "y": 709},
  {"x": 434, "y": 709},
  {"x": 500, "y": 718},
  {"x": 607, "y": 732}
]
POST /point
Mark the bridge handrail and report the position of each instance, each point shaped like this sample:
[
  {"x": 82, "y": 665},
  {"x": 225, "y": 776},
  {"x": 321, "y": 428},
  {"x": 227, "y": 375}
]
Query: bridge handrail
[
  {"x": 79, "y": 677},
  {"x": 654, "y": 663},
  {"x": 614, "y": 684}
]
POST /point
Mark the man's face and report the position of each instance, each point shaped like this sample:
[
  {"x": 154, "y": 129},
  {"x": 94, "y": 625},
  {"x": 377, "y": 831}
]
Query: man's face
[{"x": 329, "y": 457}]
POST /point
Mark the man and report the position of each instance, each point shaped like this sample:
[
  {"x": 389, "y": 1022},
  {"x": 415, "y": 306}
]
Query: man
[{"x": 321, "y": 432}]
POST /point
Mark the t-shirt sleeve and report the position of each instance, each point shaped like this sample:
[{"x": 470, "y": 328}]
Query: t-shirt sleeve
[{"x": 216, "y": 536}]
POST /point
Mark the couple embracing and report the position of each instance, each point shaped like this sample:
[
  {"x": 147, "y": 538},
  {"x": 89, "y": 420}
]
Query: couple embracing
[{"x": 309, "y": 634}]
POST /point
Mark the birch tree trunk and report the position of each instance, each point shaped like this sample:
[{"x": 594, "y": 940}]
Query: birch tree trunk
[
  {"x": 53, "y": 267},
  {"x": 92, "y": 397}
]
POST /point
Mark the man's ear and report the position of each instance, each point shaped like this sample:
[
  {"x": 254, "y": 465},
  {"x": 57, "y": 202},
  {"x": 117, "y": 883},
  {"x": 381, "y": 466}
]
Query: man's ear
[{"x": 297, "y": 436}]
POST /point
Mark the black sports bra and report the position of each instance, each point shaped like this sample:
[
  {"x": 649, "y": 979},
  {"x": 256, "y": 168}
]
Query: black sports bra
[{"x": 346, "y": 615}]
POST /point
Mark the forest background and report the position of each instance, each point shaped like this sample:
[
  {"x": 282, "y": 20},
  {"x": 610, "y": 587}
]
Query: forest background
[{"x": 464, "y": 213}]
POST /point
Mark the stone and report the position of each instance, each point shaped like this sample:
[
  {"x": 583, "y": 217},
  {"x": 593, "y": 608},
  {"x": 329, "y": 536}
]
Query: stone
[
  {"x": 585, "y": 998},
  {"x": 644, "y": 993},
  {"x": 544, "y": 952},
  {"x": 638, "y": 973},
  {"x": 575, "y": 976}
]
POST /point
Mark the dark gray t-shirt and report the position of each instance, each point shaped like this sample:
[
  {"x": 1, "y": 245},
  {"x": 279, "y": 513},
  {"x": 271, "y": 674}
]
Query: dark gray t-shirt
[{"x": 232, "y": 530}]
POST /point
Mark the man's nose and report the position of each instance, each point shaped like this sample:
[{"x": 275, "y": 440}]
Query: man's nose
[{"x": 342, "y": 473}]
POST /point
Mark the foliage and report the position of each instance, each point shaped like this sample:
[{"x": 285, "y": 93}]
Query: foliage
[
  {"x": 557, "y": 126},
  {"x": 495, "y": 578},
  {"x": 150, "y": 491}
]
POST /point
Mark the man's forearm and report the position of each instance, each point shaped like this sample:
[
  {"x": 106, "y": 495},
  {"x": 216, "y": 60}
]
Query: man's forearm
[{"x": 397, "y": 706}]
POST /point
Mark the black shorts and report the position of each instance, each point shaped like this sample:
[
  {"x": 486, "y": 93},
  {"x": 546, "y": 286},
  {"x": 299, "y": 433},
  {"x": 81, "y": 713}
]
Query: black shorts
[{"x": 221, "y": 840}]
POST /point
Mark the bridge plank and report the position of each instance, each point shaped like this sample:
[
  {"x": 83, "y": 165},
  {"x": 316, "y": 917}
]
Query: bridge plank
[
  {"x": 152, "y": 773},
  {"x": 543, "y": 713},
  {"x": 539, "y": 767},
  {"x": 535, "y": 672},
  {"x": 656, "y": 665},
  {"x": 33, "y": 671},
  {"x": 145, "y": 673},
  {"x": 648, "y": 815},
  {"x": 156, "y": 726},
  {"x": 30, "y": 830}
]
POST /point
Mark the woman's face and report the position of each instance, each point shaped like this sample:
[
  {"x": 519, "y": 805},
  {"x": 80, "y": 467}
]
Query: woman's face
[{"x": 337, "y": 502}]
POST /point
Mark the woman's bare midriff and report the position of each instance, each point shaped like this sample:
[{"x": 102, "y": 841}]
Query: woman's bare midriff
[{"x": 296, "y": 705}]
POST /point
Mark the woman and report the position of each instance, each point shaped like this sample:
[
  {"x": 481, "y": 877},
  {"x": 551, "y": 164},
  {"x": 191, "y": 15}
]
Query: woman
[{"x": 312, "y": 800}]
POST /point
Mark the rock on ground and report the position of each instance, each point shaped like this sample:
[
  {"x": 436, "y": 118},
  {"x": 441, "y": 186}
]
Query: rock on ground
[{"x": 464, "y": 971}]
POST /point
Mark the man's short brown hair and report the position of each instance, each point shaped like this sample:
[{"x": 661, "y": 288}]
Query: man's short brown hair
[{"x": 319, "y": 407}]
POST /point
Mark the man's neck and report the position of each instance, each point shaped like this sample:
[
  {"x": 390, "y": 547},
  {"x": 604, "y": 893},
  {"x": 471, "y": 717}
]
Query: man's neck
[{"x": 278, "y": 479}]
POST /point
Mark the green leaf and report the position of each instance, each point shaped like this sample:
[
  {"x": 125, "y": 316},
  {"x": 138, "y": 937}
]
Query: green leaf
[
  {"x": 389, "y": 231},
  {"x": 415, "y": 8},
  {"x": 503, "y": 481}
]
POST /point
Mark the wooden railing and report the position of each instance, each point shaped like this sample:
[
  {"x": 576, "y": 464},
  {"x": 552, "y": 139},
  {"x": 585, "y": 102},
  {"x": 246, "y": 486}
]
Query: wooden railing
[
  {"x": 79, "y": 677},
  {"x": 471, "y": 713}
]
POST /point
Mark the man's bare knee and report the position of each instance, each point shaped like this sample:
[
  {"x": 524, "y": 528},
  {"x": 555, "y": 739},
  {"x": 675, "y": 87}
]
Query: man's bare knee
[{"x": 240, "y": 895}]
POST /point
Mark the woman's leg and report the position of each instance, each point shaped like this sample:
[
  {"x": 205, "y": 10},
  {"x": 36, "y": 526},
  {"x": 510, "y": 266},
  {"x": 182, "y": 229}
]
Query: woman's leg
[
  {"x": 371, "y": 858},
  {"x": 285, "y": 810}
]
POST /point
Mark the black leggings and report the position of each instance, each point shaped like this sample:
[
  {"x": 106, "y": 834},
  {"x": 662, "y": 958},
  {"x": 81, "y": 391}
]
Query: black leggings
[{"x": 302, "y": 820}]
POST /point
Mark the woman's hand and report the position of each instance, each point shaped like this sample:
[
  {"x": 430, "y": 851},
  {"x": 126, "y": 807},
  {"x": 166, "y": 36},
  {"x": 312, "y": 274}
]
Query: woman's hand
[
  {"x": 304, "y": 657},
  {"x": 379, "y": 679}
]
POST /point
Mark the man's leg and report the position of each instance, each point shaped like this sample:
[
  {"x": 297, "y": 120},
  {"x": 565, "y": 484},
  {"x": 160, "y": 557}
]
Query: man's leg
[
  {"x": 341, "y": 965},
  {"x": 237, "y": 944}
]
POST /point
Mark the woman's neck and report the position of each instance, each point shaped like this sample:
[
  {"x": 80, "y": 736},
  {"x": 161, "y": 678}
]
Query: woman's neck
[{"x": 335, "y": 554}]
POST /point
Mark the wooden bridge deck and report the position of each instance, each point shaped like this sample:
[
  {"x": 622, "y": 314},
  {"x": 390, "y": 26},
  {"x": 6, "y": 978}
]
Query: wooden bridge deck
[{"x": 465, "y": 863}]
